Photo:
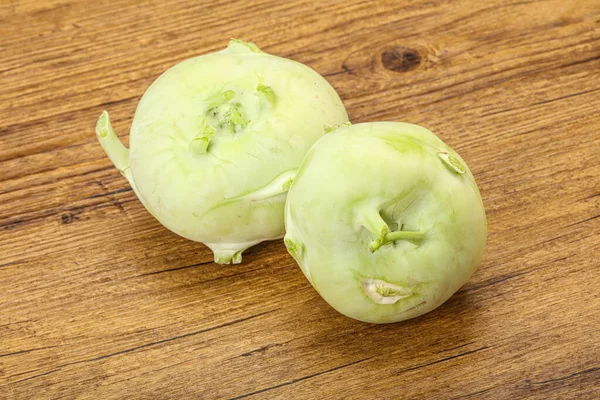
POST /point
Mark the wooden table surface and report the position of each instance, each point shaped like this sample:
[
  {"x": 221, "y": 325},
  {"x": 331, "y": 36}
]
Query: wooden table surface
[{"x": 99, "y": 301}]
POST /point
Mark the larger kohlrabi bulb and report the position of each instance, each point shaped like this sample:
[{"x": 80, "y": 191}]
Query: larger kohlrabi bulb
[
  {"x": 385, "y": 221},
  {"x": 216, "y": 140}
]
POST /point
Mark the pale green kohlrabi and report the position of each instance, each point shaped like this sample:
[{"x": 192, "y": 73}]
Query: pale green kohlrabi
[
  {"x": 385, "y": 221},
  {"x": 216, "y": 140}
]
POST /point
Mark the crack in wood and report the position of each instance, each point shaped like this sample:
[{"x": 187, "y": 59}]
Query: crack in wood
[
  {"x": 464, "y": 396},
  {"x": 563, "y": 378},
  {"x": 27, "y": 351},
  {"x": 58, "y": 180},
  {"x": 299, "y": 379},
  {"x": 503, "y": 80},
  {"x": 584, "y": 220},
  {"x": 133, "y": 349},
  {"x": 569, "y": 96},
  {"x": 262, "y": 349},
  {"x": 13, "y": 223},
  {"x": 504, "y": 278},
  {"x": 466, "y": 353},
  {"x": 112, "y": 192},
  {"x": 172, "y": 269},
  {"x": 457, "y": 347}
]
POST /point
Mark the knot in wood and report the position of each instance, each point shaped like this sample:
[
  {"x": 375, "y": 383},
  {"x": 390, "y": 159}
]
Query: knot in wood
[{"x": 400, "y": 59}]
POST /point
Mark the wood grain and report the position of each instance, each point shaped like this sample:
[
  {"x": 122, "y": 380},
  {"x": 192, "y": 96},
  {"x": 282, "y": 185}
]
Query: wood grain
[{"x": 98, "y": 300}]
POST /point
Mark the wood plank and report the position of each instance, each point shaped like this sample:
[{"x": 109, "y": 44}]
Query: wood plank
[{"x": 98, "y": 300}]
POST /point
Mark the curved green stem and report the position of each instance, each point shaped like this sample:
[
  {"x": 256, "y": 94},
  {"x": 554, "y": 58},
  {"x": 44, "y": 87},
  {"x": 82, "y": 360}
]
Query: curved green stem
[
  {"x": 276, "y": 187},
  {"x": 115, "y": 150},
  {"x": 369, "y": 217},
  {"x": 397, "y": 235}
]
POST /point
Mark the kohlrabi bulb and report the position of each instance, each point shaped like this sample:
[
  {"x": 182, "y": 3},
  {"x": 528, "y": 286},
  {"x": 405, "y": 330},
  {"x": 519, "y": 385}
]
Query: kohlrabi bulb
[
  {"x": 216, "y": 140},
  {"x": 385, "y": 221}
]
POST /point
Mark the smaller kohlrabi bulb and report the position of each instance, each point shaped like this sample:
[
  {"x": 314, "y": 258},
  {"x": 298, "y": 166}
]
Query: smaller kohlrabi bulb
[
  {"x": 216, "y": 140},
  {"x": 385, "y": 221}
]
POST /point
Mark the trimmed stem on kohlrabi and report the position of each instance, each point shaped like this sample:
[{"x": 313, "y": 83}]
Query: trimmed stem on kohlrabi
[
  {"x": 385, "y": 220},
  {"x": 216, "y": 140}
]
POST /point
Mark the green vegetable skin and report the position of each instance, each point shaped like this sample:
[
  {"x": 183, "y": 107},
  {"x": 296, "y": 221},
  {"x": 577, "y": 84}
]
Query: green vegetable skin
[
  {"x": 385, "y": 221},
  {"x": 216, "y": 140}
]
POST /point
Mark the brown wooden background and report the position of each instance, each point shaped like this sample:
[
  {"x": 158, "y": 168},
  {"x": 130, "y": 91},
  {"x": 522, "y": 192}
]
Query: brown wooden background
[{"x": 98, "y": 301}]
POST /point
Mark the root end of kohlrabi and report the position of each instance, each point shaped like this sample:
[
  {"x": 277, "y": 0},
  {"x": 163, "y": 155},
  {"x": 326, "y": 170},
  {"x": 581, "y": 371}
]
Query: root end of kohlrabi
[
  {"x": 228, "y": 256},
  {"x": 382, "y": 292}
]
